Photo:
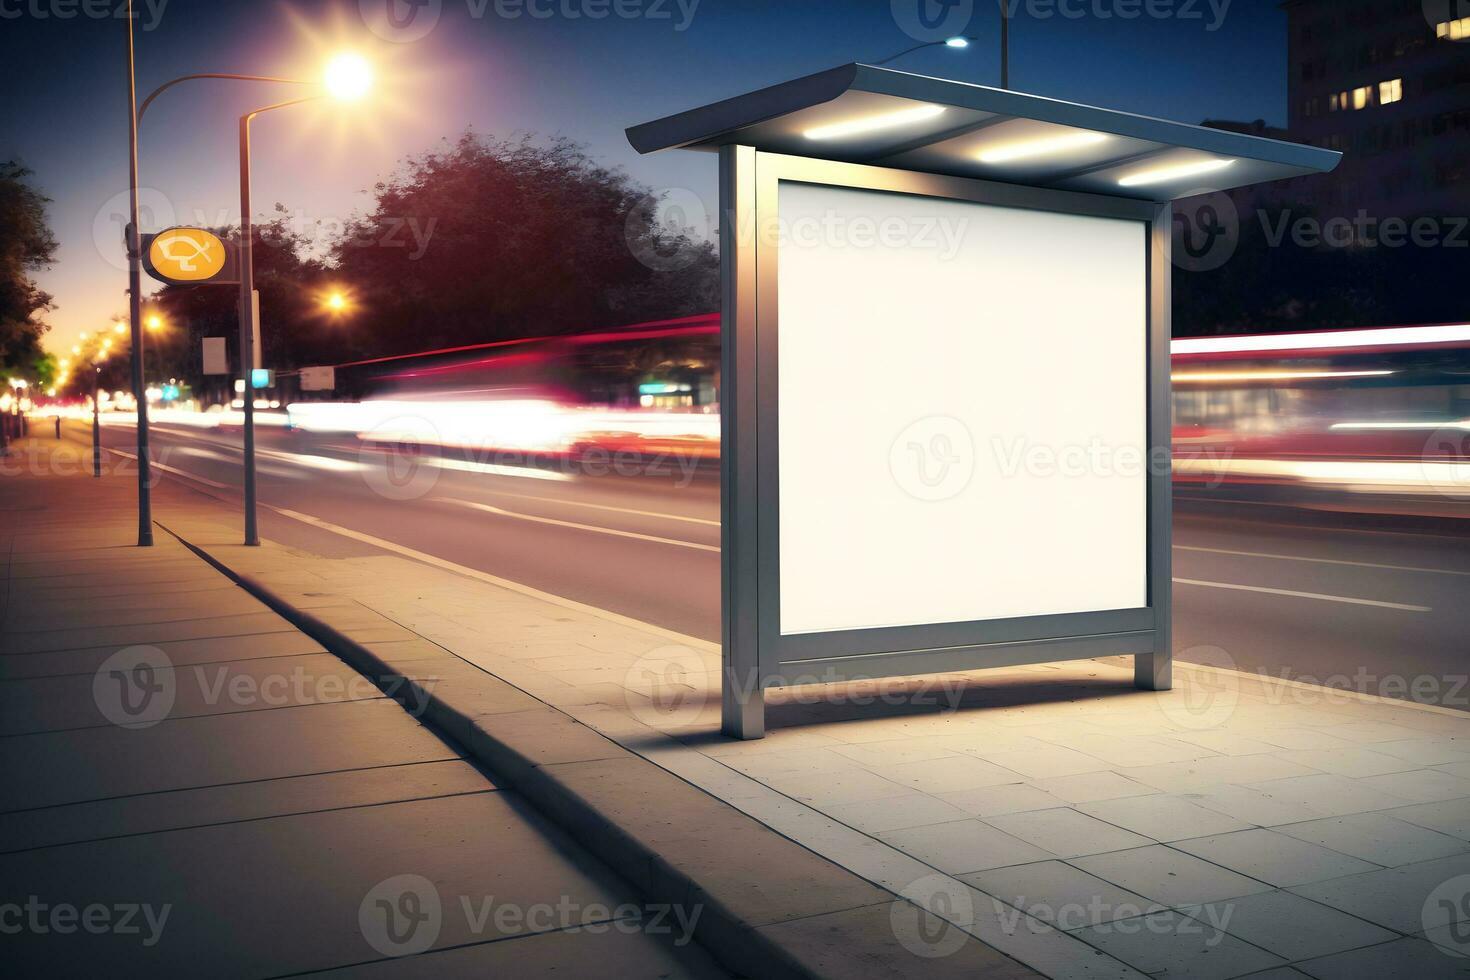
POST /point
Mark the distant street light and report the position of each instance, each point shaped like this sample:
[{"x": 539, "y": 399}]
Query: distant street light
[
  {"x": 154, "y": 323},
  {"x": 960, "y": 41},
  {"x": 337, "y": 303}
]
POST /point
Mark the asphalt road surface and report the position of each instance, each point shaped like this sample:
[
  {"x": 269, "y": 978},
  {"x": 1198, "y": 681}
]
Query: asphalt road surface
[{"x": 1379, "y": 611}]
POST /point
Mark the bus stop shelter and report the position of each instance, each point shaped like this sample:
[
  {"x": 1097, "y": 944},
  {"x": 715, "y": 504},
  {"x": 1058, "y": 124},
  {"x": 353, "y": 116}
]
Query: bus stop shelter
[{"x": 945, "y": 375}]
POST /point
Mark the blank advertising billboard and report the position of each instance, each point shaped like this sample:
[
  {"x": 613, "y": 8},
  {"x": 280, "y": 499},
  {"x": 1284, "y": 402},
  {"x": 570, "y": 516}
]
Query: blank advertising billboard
[{"x": 962, "y": 426}]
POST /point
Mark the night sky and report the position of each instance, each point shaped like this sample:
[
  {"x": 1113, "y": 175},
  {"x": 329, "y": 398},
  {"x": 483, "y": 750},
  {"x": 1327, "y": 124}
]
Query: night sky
[{"x": 64, "y": 113}]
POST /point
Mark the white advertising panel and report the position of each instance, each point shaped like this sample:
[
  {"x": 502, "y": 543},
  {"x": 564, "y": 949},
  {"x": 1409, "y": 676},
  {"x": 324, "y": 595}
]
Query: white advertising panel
[{"x": 963, "y": 430}]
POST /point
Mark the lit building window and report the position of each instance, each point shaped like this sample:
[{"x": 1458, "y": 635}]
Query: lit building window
[
  {"x": 1454, "y": 30},
  {"x": 1390, "y": 91},
  {"x": 1362, "y": 96}
]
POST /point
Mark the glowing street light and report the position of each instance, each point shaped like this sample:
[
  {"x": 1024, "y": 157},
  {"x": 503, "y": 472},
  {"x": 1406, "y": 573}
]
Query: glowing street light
[
  {"x": 154, "y": 323},
  {"x": 336, "y": 303},
  {"x": 961, "y": 41},
  {"x": 348, "y": 77}
]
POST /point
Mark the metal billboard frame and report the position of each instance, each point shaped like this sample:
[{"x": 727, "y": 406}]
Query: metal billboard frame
[{"x": 756, "y": 654}]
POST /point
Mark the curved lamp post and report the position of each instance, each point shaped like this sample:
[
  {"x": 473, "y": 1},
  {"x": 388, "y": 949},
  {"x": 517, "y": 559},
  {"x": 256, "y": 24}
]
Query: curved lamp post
[{"x": 965, "y": 40}]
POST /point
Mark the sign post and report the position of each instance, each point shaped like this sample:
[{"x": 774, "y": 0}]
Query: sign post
[{"x": 879, "y": 225}]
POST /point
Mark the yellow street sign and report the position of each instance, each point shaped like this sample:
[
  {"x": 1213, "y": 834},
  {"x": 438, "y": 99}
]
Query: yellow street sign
[{"x": 186, "y": 256}]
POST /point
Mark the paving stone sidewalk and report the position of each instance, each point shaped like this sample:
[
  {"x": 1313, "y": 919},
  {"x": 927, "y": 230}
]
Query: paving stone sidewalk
[
  {"x": 1233, "y": 827},
  {"x": 192, "y": 787},
  {"x": 1236, "y": 826}
]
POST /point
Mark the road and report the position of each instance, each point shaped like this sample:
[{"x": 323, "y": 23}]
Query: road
[{"x": 1380, "y": 611}]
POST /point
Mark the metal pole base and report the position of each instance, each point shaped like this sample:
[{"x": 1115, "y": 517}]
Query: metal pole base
[
  {"x": 1153, "y": 671},
  {"x": 742, "y": 708}
]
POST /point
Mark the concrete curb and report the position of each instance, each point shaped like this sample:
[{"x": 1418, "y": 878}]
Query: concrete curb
[{"x": 768, "y": 907}]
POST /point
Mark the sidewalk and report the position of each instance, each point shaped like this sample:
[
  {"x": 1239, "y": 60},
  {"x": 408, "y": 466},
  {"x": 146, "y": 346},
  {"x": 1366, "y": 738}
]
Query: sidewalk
[
  {"x": 1233, "y": 827},
  {"x": 192, "y": 787}
]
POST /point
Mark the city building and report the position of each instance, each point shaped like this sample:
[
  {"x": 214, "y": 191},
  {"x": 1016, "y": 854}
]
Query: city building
[{"x": 1388, "y": 83}]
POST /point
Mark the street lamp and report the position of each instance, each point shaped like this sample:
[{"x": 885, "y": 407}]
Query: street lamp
[
  {"x": 961, "y": 41},
  {"x": 336, "y": 303},
  {"x": 347, "y": 77}
]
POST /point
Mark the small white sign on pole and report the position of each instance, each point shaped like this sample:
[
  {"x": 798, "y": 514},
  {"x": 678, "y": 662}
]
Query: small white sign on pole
[
  {"x": 255, "y": 326},
  {"x": 215, "y": 359},
  {"x": 318, "y": 378}
]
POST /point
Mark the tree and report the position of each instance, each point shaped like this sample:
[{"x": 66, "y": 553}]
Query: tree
[
  {"x": 495, "y": 239},
  {"x": 26, "y": 246}
]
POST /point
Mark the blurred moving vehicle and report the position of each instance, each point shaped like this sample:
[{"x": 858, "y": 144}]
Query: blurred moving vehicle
[
  {"x": 647, "y": 389},
  {"x": 1367, "y": 420},
  {"x": 1327, "y": 418}
]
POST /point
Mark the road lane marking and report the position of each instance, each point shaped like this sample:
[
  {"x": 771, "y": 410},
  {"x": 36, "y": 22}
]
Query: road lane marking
[
  {"x": 1304, "y": 595},
  {"x": 312, "y": 460},
  {"x": 470, "y": 466},
  {"x": 496, "y": 580},
  {"x": 501, "y": 512},
  {"x": 619, "y": 510},
  {"x": 1322, "y": 561},
  {"x": 495, "y": 469},
  {"x": 155, "y": 464}
]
